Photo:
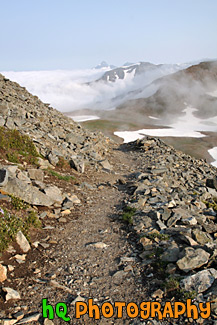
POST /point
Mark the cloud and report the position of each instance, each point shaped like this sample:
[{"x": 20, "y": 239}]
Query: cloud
[{"x": 70, "y": 90}]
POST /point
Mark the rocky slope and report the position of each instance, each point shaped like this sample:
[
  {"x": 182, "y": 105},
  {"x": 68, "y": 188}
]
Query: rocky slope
[
  {"x": 54, "y": 134},
  {"x": 138, "y": 223}
]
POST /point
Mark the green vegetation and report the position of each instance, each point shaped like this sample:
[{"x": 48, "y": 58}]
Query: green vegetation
[
  {"x": 172, "y": 288},
  {"x": 128, "y": 214},
  {"x": 66, "y": 178},
  {"x": 16, "y": 147},
  {"x": 154, "y": 235},
  {"x": 18, "y": 204},
  {"x": 211, "y": 203},
  {"x": 10, "y": 224}
]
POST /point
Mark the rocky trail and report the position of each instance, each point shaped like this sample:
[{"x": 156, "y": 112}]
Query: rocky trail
[
  {"x": 93, "y": 256},
  {"x": 131, "y": 228}
]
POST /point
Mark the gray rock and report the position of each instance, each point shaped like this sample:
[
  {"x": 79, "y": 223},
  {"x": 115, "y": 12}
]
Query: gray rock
[
  {"x": 54, "y": 193},
  {"x": 105, "y": 164},
  {"x": 29, "y": 318},
  {"x": 27, "y": 193},
  {"x": 171, "y": 254},
  {"x": 200, "y": 281},
  {"x": 22, "y": 242},
  {"x": 201, "y": 237},
  {"x": 53, "y": 159},
  {"x": 8, "y": 321},
  {"x": 11, "y": 293},
  {"x": 193, "y": 259},
  {"x": 36, "y": 174},
  {"x": 23, "y": 177},
  {"x": 77, "y": 164},
  {"x": 3, "y": 177}
]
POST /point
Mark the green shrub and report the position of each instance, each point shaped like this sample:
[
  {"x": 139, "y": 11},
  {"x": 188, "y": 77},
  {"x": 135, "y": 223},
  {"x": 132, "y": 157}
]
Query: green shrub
[
  {"x": 17, "y": 147},
  {"x": 17, "y": 203},
  {"x": 128, "y": 214}
]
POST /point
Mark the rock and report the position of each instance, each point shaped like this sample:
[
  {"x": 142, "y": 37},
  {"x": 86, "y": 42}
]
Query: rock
[
  {"x": 36, "y": 174},
  {"x": 22, "y": 242},
  {"x": 48, "y": 322},
  {"x": 98, "y": 245},
  {"x": 3, "y": 177},
  {"x": 77, "y": 164},
  {"x": 23, "y": 177},
  {"x": 200, "y": 281},
  {"x": 27, "y": 193},
  {"x": 4, "y": 109},
  {"x": 11, "y": 293},
  {"x": 3, "y": 273},
  {"x": 171, "y": 254},
  {"x": 53, "y": 159},
  {"x": 118, "y": 277},
  {"x": 62, "y": 220},
  {"x": 44, "y": 164},
  {"x": 201, "y": 237},
  {"x": 8, "y": 321},
  {"x": 19, "y": 315},
  {"x": 30, "y": 318},
  {"x": 193, "y": 258},
  {"x": 157, "y": 294},
  {"x": 54, "y": 193},
  {"x": 105, "y": 164}
]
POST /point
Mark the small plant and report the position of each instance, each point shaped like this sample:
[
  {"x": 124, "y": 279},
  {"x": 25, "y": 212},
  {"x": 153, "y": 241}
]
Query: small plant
[
  {"x": 66, "y": 178},
  {"x": 10, "y": 224},
  {"x": 128, "y": 214},
  {"x": 184, "y": 295},
  {"x": 16, "y": 147},
  {"x": 17, "y": 203},
  {"x": 32, "y": 220},
  {"x": 172, "y": 284},
  {"x": 212, "y": 203},
  {"x": 154, "y": 235}
]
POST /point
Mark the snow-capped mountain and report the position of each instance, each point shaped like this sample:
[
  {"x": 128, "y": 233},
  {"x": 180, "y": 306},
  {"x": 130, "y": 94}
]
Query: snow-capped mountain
[{"x": 104, "y": 65}]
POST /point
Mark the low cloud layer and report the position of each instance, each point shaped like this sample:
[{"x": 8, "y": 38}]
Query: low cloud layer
[{"x": 73, "y": 90}]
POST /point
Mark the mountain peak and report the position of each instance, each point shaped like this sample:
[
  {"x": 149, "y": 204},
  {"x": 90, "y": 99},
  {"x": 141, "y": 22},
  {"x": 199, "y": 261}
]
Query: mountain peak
[{"x": 104, "y": 64}]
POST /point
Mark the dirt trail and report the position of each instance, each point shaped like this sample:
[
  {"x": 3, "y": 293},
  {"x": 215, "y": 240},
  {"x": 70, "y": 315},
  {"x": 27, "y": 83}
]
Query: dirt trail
[{"x": 83, "y": 270}]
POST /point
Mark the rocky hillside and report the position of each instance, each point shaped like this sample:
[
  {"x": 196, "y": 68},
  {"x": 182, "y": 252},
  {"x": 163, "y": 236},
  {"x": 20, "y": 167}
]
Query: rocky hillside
[
  {"x": 82, "y": 218},
  {"x": 55, "y": 135}
]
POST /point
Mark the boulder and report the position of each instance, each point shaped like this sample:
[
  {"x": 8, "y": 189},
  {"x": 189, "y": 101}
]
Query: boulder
[
  {"x": 193, "y": 259},
  {"x": 200, "y": 281},
  {"x": 27, "y": 192},
  {"x": 22, "y": 242}
]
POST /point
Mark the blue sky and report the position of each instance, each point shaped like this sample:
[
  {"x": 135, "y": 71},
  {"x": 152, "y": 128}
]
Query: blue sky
[{"x": 72, "y": 34}]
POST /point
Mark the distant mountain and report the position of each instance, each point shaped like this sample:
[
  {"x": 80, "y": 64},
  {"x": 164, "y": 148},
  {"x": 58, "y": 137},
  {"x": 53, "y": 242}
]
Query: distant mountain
[
  {"x": 105, "y": 65},
  {"x": 137, "y": 69},
  {"x": 195, "y": 86}
]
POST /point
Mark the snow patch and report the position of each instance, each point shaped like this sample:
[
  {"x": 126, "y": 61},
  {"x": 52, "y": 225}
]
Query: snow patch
[
  {"x": 84, "y": 118},
  {"x": 213, "y": 153},
  {"x": 186, "y": 126}
]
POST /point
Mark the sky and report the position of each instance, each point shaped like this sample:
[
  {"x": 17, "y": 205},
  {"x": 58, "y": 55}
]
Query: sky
[{"x": 72, "y": 34}]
